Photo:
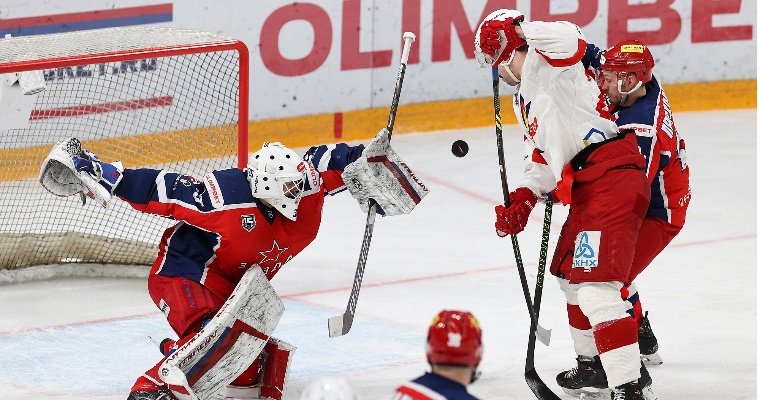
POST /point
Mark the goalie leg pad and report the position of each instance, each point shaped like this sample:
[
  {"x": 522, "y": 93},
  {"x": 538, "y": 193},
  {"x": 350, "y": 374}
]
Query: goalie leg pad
[
  {"x": 381, "y": 175},
  {"x": 271, "y": 370},
  {"x": 279, "y": 353},
  {"x": 228, "y": 344}
]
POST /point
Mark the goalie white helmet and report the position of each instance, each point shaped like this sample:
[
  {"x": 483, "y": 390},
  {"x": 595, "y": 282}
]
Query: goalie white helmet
[
  {"x": 277, "y": 176},
  {"x": 329, "y": 389}
]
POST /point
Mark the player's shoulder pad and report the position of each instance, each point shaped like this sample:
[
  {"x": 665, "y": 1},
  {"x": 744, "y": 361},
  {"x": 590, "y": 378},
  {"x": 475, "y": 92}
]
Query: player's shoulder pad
[{"x": 226, "y": 187}]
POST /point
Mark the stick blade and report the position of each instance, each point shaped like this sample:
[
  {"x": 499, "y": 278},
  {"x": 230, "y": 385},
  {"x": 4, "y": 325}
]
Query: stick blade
[
  {"x": 538, "y": 386},
  {"x": 543, "y": 335},
  {"x": 339, "y": 325}
]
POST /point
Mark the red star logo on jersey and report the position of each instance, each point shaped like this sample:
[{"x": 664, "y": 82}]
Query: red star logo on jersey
[{"x": 272, "y": 256}]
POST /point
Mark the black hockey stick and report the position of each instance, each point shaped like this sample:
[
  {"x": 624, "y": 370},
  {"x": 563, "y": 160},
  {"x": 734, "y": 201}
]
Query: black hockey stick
[
  {"x": 534, "y": 381},
  {"x": 339, "y": 325},
  {"x": 543, "y": 335}
]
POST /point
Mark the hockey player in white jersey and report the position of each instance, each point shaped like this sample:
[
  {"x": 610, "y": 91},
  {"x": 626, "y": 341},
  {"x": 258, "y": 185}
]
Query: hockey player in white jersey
[{"x": 575, "y": 151}]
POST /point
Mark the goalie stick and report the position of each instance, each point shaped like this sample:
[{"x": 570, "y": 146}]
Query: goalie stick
[
  {"x": 339, "y": 325},
  {"x": 544, "y": 335}
]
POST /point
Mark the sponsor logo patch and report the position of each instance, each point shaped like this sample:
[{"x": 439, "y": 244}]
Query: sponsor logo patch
[
  {"x": 586, "y": 253},
  {"x": 164, "y": 308},
  {"x": 248, "y": 222},
  {"x": 217, "y": 200},
  {"x": 632, "y": 48}
]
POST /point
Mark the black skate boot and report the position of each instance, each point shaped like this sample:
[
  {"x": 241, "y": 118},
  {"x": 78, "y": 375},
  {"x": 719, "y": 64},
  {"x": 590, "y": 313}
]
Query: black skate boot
[
  {"x": 161, "y": 394},
  {"x": 648, "y": 343},
  {"x": 640, "y": 389},
  {"x": 587, "y": 378}
]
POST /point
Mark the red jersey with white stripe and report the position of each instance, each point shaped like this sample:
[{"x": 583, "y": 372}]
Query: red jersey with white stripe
[
  {"x": 559, "y": 107},
  {"x": 223, "y": 229}
]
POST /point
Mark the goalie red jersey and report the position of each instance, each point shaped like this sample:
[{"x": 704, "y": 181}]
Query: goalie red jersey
[{"x": 218, "y": 209}]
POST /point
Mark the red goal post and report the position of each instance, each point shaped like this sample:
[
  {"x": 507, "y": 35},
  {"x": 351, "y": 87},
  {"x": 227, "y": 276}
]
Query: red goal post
[{"x": 150, "y": 97}]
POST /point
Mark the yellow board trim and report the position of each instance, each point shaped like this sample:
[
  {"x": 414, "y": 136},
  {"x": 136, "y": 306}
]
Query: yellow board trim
[
  {"x": 471, "y": 113},
  {"x": 308, "y": 130}
]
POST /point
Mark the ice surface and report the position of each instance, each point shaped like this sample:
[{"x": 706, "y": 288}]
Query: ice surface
[{"x": 86, "y": 338}]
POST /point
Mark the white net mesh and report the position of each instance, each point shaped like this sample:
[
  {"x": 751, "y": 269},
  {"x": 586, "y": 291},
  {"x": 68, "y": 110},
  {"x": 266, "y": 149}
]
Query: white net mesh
[{"x": 177, "y": 111}]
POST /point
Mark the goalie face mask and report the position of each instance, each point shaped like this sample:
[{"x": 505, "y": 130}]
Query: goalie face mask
[{"x": 277, "y": 175}]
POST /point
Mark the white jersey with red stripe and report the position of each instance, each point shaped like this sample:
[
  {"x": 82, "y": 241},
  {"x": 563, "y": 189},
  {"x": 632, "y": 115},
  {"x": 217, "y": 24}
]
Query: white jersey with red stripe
[{"x": 559, "y": 107}]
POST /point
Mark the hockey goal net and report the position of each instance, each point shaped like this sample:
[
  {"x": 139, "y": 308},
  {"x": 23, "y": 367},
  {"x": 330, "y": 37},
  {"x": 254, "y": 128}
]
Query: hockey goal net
[{"x": 149, "y": 97}]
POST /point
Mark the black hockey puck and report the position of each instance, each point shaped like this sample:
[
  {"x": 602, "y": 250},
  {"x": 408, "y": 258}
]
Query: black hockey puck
[{"x": 460, "y": 148}]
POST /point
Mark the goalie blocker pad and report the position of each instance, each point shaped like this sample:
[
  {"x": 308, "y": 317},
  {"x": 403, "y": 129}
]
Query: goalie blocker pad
[
  {"x": 380, "y": 174},
  {"x": 228, "y": 344},
  {"x": 59, "y": 176}
]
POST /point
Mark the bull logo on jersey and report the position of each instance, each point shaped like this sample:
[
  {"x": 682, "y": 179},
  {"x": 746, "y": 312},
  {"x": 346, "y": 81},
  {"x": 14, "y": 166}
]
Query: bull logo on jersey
[{"x": 248, "y": 222}]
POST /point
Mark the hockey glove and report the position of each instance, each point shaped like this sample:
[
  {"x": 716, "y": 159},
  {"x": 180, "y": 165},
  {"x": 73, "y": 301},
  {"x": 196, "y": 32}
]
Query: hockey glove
[
  {"x": 499, "y": 48},
  {"x": 380, "y": 174},
  {"x": 512, "y": 220},
  {"x": 69, "y": 170}
]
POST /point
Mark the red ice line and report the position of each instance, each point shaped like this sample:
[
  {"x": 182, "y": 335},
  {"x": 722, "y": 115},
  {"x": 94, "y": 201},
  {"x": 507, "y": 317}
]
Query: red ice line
[{"x": 368, "y": 285}]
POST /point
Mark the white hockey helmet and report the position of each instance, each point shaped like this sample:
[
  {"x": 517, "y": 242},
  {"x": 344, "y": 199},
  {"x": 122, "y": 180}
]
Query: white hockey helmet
[
  {"x": 277, "y": 175},
  {"x": 329, "y": 389}
]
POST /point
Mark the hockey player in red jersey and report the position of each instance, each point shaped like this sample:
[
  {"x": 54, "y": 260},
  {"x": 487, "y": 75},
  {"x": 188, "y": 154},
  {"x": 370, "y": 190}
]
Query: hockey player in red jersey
[
  {"x": 575, "y": 150},
  {"x": 638, "y": 102},
  {"x": 229, "y": 221},
  {"x": 454, "y": 350}
]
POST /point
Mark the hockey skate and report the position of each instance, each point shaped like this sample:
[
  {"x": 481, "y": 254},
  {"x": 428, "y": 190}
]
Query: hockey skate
[
  {"x": 640, "y": 389},
  {"x": 588, "y": 379},
  {"x": 648, "y": 343},
  {"x": 151, "y": 395},
  {"x": 150, "y": 387}
]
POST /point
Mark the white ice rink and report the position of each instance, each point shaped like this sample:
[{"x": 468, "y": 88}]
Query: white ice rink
[{"x": 87, "y": 338}]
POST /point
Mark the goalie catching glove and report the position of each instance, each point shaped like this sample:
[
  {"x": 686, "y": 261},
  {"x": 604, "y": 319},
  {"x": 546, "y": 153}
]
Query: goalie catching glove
[
  {"x": 380, "y": 175},
  {"x": 69, "y": 169}
]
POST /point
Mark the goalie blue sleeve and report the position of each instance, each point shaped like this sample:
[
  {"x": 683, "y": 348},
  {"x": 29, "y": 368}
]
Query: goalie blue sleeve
[
  {"x": 183, "y": 197},
  {"x": 330, "y": 160}
]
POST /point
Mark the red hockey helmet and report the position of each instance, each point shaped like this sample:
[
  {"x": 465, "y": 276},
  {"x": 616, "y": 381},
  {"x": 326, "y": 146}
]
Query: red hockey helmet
[
  {"x": 629, "y": 56},
  {"x": 455, "y": 338}
]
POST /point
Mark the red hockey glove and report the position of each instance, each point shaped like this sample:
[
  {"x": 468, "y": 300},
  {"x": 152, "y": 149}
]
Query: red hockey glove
[
  {"x": 511, "y": 220},
  {"x": 490, "y": 42}
]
